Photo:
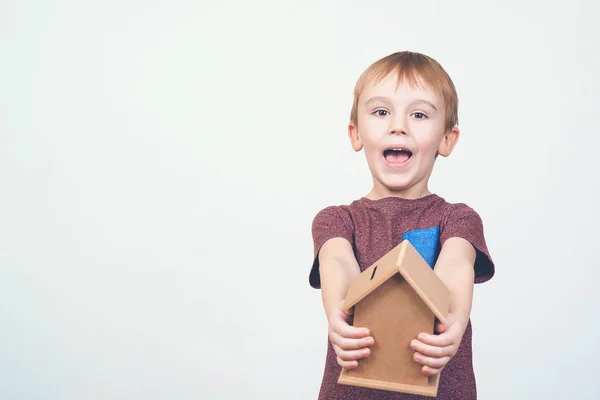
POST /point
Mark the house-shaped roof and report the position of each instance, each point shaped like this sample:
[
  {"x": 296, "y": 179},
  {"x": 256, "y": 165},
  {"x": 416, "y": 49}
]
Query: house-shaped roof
[{"x": 405, "y": 260}]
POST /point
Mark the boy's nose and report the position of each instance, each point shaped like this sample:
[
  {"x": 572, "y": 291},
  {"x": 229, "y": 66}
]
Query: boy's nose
[
  {"x": 398, "y": 131},
  {"x": 398, "y": 127}
]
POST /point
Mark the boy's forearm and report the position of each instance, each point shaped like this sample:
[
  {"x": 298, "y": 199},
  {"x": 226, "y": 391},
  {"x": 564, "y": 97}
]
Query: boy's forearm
[
  {"x": 460, "y": 283},
  {"x": 455, "y": 267},
  {"x": 336, "y": 276}
]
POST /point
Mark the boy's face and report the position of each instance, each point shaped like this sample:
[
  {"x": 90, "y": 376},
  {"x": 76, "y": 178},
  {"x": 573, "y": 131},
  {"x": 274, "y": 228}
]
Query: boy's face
[{"x": 401, "y": 129}]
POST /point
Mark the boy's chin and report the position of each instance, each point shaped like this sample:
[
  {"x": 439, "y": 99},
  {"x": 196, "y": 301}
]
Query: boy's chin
[
  {"x": 397, "y": 187},
  {"x": 397, "y": 184},
  {"x": 401, "y": 187}
]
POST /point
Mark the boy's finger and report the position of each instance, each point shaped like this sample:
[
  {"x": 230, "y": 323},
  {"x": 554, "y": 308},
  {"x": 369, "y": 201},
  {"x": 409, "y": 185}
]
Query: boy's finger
[
  {"x": 441, "y": 340},
  {"x": 341, "y": 326},
  {"x": 431, "y": 351},
  {"x": 428, "y": 371},
  {"x": 350, "y": 343},
  {"x": 431, "y": 361},
  {"x": 349, "y": 312},
  {"x": 350, "y": 331},
  {"x": 440, "y": 327},
  {"x": 350, "y": 355},
  {"x": 342, "y": 315},
  {"x": 355, "y": 344},
  {"x": 347, "y": 364}
]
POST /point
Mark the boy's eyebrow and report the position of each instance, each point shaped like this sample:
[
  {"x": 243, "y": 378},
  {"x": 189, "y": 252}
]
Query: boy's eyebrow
[
  {"x": 377, "y": 98},
  {"x": 426, "y": 102},
  {"x": 386, "y": 99}
]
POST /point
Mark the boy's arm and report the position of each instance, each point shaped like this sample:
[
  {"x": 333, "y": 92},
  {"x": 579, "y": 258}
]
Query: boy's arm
[
  {"x": 455, "y": 267},
  {"x": 338, "y": 268}
]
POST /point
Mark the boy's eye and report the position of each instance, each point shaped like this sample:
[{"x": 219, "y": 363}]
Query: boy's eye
[
  {"x": 381, "y": 113},
  {"x": 419, "y": 115}
]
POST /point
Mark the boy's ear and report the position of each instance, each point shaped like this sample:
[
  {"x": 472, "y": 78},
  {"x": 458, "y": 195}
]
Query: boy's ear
[
  {"x": 354, "y": 137},
  {"x": 448, "y": 142}
]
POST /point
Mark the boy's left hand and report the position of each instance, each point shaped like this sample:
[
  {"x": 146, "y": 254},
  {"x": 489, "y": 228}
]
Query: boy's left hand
[{"x": 435, "y": 351}]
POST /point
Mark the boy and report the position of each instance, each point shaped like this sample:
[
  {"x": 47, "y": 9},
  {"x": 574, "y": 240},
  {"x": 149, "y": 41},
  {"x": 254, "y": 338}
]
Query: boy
[{"x": 404, "y": 115}]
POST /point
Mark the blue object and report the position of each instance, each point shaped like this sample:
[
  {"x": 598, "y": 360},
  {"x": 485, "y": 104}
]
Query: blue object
[{"x": 426, "y": 242}]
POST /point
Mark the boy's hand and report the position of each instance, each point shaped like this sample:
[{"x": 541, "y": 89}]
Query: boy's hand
[
  {"x": 349, "y": 342},
  {"x": 435, "y": 351}
]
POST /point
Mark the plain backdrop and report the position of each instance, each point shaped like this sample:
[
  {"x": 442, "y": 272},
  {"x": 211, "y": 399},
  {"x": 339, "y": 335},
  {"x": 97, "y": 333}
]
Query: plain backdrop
[{"x": 161, "y": 164}]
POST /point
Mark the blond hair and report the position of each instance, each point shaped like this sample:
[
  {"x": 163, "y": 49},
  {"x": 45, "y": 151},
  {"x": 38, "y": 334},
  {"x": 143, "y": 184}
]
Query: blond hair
[{"x": 418, "y": 70}]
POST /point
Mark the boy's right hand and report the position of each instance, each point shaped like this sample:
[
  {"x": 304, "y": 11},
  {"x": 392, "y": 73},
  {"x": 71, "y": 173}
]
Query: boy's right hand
[{"x": 349, "y": 342}]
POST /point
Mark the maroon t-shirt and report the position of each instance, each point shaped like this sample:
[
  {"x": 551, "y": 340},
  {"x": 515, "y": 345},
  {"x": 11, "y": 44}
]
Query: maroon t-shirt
[{"x": 374, "y": 227}]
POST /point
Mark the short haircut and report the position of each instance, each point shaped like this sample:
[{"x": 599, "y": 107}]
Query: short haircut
[{"x": 418, "y": 70}]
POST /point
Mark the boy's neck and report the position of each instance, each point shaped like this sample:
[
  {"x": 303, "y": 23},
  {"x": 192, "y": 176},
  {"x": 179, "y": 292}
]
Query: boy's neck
[{"x": 414, "y": 192}]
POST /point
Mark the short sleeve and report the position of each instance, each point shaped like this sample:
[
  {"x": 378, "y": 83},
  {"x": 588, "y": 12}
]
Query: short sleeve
[
  {"x": 462, "y": 221},
  {"x": 331, "y": 222}
]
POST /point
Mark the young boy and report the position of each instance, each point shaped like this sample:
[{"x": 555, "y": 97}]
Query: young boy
[{"x": 404, "y": 115}]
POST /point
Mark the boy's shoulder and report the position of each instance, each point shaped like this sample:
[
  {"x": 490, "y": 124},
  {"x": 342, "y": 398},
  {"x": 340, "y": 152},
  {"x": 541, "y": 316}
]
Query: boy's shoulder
[
  {"x": 337, "y": 214},
  {"x": 339, "y": 207},
  {"x": 459, "y": 210},
  {"x": 340, "y": 210}
]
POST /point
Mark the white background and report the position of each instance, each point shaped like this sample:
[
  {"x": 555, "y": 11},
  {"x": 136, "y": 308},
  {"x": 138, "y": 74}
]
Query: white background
[{"x": 161, "y": 163}]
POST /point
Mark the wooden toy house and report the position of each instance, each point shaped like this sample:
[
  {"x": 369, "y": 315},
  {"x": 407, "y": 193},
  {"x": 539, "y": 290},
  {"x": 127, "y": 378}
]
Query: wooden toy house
[{"x": 396, "y": 298}]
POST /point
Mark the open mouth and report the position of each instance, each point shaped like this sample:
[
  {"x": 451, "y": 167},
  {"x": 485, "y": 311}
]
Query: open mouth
[{"x": 397, "y": 155}]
